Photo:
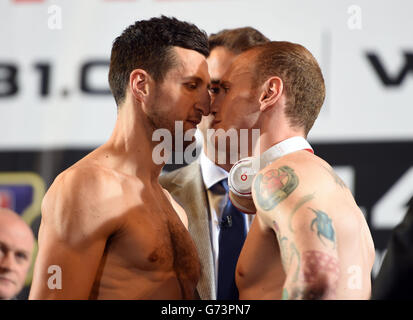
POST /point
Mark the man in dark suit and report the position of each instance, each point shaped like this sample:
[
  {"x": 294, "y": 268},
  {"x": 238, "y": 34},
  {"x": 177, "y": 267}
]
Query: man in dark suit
[
  {"x": 217, "y": 228},
  {"x": 395, "y": 279}
]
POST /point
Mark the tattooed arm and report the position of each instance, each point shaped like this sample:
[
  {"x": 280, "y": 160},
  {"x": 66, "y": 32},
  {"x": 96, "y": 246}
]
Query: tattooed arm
[
  {"x": 306, "y": 234},
  {"x": 308, "y": 252}
]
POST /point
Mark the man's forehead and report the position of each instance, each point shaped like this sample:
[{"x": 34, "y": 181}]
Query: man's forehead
[
  {"x": 14, "y": 229},
  {"x": 219, "y": 61},
  {"x": 189, "y": 62},
  {"x": 240, "y": 66},
  {"x": 16, "y": 241}
]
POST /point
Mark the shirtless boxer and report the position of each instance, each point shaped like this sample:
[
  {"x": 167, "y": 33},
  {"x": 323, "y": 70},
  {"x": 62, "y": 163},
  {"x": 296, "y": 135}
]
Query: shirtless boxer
[
  {"x": 106, "y": 221},
  {"x": 310, "y": 240}
]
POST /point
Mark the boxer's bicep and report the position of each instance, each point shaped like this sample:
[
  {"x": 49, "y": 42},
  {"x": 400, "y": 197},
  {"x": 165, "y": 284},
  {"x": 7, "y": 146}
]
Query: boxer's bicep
[
  {"x": 308, "y": 245},
  {"x": 64, "y": 271},
  {"x": 71, "y": 244},
  {"x": 306, "y": 234}
]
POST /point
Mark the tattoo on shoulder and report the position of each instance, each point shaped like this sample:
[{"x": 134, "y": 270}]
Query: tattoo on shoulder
[
  {"x": 283, "y": 242},
  {"x": 336, "y": 178},
  {"x": 289, "y": 254},
  {"x": 274, "y": 186},
  {"x": 301, "y": 202},
  {"x": 324, "y": 225}
]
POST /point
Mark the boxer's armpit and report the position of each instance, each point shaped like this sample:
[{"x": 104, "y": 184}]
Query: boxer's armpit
[{"x": 275, "y": 185}]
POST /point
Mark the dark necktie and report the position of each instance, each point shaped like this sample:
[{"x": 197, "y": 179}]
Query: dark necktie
[{"x": 231, "y": 239}]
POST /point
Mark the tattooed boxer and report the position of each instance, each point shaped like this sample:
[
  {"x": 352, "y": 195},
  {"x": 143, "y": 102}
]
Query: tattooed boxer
[{"x": 309, "y": 239}]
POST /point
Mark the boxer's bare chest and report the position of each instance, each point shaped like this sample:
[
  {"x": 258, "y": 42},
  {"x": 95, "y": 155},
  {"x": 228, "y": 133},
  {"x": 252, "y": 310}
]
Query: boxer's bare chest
[{"x": 152, "y": 241}]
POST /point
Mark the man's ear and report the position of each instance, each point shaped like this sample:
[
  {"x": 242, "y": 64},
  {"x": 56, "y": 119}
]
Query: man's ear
[
  {"x": 139, "y": 84},
  {"x": 272, "y": 91}
]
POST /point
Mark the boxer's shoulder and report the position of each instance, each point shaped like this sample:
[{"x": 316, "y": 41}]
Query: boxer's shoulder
[
  {"x": 306, "y": 170},
  {"x": 79, "y": 202},
  {"x": 293, "y": 179},
  {"x": 308, "y": 184},
  {"x": 81, "y": 182}
]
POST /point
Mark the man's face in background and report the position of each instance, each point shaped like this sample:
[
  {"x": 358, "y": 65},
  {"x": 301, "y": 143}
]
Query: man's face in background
[
  {"x": 16, "y": 248},
  {"x": 218, "y": 61}
]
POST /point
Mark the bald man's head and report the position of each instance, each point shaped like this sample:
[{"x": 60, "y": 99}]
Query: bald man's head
[{"x": 16, "y": 248}]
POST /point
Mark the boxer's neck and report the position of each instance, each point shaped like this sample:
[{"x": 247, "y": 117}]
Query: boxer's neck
[
  {"x": 132, "y": 144},
  {"x": 273, "y": 132}
]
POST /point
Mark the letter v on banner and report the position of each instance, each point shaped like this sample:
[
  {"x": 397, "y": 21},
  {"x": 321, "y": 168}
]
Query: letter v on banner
[{"x": 384, "y": 76}]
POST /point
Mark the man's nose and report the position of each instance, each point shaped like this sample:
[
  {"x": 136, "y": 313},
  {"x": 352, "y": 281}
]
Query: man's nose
[
  {"x": 215, "y": 101},
  {"x": 212, "y": 95},
  {"x": 204, "y": 103},
  {"x": 7, "y": 262}
]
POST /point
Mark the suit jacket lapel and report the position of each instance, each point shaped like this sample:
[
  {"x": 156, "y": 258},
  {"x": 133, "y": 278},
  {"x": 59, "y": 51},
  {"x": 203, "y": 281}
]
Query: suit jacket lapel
[{"x": 190, "y": 193}]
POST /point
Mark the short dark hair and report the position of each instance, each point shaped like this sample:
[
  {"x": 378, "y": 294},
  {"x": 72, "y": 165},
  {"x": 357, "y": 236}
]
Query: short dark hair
[
  {"x": 301, "y": 75},
  {"x": 237, "y": 40},
  {"x": 148, "y": 45}
]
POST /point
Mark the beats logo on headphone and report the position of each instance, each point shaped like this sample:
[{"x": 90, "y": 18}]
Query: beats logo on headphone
[{"x": 244, "y": 171}]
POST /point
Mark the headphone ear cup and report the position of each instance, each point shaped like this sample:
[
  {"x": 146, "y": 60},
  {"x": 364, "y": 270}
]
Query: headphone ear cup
[{"x": 241, "y": 176}]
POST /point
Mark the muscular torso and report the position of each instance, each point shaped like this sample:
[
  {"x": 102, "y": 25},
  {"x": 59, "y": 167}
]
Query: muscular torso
[
  {"x": 260, "y": 272},
  {"x": 151, "y": 256},
  {"x": 145, "y": 250}
]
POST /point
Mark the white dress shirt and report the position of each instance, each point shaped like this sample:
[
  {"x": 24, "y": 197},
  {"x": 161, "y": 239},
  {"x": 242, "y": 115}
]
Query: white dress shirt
[{"x": 217, "y": 199}]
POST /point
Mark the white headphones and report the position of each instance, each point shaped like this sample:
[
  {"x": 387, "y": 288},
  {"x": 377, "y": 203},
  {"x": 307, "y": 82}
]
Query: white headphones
[{"x": 243, "y": 172}]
